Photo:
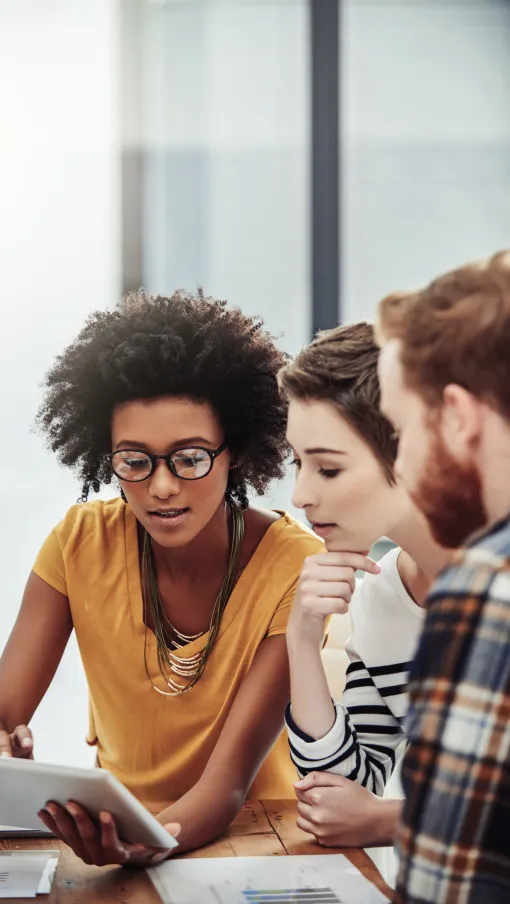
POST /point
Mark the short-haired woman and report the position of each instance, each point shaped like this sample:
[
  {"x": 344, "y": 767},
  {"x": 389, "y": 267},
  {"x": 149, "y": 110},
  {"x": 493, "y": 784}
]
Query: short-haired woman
[{"x": 344, "y": 452}]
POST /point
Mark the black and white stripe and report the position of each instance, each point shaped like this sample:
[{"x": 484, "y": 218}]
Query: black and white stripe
[{"x": 367, "y": 738}]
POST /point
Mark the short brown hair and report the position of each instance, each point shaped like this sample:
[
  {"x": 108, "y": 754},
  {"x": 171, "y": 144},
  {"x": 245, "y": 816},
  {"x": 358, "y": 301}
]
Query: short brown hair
[
  {"x": 340, "y": 366},
  {"x": 456, "y": 330}
]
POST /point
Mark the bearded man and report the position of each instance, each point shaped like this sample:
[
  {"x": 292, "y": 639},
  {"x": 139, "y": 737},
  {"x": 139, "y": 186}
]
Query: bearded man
[{"x": 444, "y": 370}]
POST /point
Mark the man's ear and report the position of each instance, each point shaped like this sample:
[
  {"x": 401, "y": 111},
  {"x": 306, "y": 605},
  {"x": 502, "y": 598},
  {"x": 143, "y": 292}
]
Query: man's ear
[{"x": 460, "y": 421}]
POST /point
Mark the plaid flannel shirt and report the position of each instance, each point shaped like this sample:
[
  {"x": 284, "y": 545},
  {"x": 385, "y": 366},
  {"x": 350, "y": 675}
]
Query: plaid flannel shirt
[{"x": 455, "y": 839}]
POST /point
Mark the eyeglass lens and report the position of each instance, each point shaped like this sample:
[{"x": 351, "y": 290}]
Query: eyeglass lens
[{"x": 189, "y": 464}]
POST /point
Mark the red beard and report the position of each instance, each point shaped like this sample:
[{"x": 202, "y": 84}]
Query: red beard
[{"x": 450, "y": 496}]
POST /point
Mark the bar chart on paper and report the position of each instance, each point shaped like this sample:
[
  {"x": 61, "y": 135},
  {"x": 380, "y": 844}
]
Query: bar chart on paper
[
  {"x": 292, "y": 896},
  {"x": 318, "y": 879}
]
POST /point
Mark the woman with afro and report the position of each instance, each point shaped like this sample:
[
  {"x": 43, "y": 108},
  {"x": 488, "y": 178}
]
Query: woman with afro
[{"x": 178, "y": 590}]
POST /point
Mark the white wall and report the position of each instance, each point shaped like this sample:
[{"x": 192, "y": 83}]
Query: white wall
[
  {"x": 59, "y": 253},
  {"x": 426, "y": 101}
]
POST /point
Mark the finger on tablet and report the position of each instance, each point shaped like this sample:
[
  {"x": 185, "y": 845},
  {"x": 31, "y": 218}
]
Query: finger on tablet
[
  {"x": 22, "y": 742},
  {"x": 48, "y": 821},
  {"x": 88, "y": 833},
  {"x": 114, "y": 850},
  {"x": 5, "y": 744},
  {"x": 65, "y": 828},
  {"x": 22, "y": 737}
]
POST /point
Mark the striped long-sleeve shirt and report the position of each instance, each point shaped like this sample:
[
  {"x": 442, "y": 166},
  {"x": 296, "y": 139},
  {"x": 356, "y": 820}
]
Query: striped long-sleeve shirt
[{"x": 367, "y": 737}]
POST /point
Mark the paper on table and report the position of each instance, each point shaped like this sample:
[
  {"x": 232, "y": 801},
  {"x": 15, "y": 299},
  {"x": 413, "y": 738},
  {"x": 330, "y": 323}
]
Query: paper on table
[
  {"x": 48, "y": 875},
  {"x": 24, "y": 874},
  {"x": 249, "y": 880}
]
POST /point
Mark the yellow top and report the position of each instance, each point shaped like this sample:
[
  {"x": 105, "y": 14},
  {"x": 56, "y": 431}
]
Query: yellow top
[{"x": 158, "y": 746}]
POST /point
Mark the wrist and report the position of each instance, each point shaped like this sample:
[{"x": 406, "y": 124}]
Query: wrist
[
  {"x": 386, "y": 818},
  {"x": 307, "y": 633}
]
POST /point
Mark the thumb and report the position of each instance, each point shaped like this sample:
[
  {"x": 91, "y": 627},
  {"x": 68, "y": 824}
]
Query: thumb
[
  {"x": 320, "y": 780},
  {"x": 312, "y": 780},
  {"x": 22, "y": 737},
  {"x": 173, "y": 829}
]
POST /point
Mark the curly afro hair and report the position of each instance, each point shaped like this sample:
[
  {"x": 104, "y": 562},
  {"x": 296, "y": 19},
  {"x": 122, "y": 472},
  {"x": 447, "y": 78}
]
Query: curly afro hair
[{"x": 185, "y": 345}]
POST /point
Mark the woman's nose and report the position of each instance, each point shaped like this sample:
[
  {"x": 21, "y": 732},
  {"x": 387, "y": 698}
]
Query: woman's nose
[
  {"x": 163, "y": 482},
  {"x": 303, "y": 496}
]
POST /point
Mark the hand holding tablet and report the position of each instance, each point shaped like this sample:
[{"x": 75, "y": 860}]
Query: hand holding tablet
[
  {"x": 89, "y": 809},
  {"x": 100, "y": 845}
]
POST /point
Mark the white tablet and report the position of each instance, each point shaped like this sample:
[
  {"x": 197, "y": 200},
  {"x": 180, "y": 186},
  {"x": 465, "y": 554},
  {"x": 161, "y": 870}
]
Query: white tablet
[{"x": 26, "y": 787}]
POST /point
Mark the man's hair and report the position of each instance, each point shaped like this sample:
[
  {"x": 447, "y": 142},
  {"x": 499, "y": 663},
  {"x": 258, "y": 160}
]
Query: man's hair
[
  {"x": 340, "y": 366},
  {"x": 183, "y": 346},
  {"x": 456, "y": 330}
]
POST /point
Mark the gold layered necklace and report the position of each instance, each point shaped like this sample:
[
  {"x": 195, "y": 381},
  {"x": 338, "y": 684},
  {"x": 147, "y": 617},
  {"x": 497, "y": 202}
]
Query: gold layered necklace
[{"x": 188, "y": 668}]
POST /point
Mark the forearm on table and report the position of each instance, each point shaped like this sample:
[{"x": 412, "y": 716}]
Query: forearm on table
[
  {"x": 203, "y": 813},
  {"x": 311, "y": 704}
]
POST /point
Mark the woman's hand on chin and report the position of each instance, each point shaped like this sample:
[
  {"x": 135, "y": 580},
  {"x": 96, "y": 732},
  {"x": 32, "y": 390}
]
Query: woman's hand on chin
[
  {"x": 100, "y": 845},
  {"x": 325, "y": 588}
]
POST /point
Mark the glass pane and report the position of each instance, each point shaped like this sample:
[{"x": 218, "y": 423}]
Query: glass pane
[
  {"x": 226, "y": 166},
  {"x": 426, "y": 157},
  {"x": 224, "y": 135}
]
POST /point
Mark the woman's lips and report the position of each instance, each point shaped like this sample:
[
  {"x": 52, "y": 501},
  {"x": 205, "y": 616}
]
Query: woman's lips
[
  {"x": 169, "y": 519},
  {"x": 323, "y": 530}
]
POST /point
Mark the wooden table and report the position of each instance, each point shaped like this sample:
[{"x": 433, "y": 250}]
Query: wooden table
[{"x": 262, "y": 828}]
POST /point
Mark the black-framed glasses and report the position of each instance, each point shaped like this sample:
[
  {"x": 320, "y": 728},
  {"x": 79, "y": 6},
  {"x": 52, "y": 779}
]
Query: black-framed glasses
[{"x": 135, "y": 465}]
